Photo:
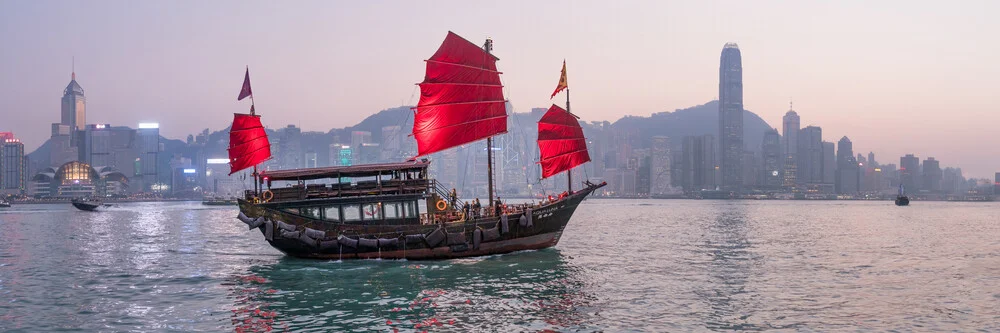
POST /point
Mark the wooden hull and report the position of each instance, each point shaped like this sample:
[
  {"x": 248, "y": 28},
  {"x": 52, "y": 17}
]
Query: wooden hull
[
  {"x": 547, "y": 224},
  {"x": 902, "y": 201}
]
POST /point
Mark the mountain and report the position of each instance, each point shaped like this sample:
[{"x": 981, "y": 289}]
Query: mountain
[{"x": 697, "y": 120}]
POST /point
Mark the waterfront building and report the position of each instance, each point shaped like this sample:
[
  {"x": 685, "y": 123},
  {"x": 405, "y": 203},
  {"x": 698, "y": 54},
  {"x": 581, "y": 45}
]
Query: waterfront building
[
  {"x": 848, "y": 181},
  {"x": 810, "y": 155},
  {"x": 698, "y": 163},
  {"x": 359, "y": 138},
  {"x": 771, "y": 158},
  {"x": 829, "y": 163},
  {"x": 660, "y": 165},
  {"x": 909, "y": 173},
  {"x": 932, "y": 175},
  {"x": 77, "y": 179},
  {"x": 731, "y": 117},
  {"x": 13, "y": 166},
  {"x": 95, "y": 146},
  {"x": 147, "y": 163}
]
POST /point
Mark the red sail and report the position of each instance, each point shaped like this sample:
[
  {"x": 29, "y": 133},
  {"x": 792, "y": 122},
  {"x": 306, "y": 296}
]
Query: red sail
[
  {"x": 461, "y": 98},
  {"x": 248, "y": 144},
  {"x": 560, "y": 142}
]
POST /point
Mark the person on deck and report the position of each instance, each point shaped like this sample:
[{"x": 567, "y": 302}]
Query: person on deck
[
  {"x": 475, "y": 208},
  {"x": 453, "y": 196},
  {"x": 498, "y": 207}
]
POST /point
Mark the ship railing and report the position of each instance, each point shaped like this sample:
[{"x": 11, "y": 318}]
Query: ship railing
[{"x": 442, "y": 191}]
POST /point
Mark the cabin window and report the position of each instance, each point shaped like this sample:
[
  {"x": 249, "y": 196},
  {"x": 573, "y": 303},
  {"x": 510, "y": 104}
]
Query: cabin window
[
  {"x": 410, "y": 209},
  {"x": 352, "y": 213},
  {"x": 311, "y": 212},
  {"x": 332, "y": 213},
  {"x": 392, "y": 210},
  {"x": 373, "y": 211}
]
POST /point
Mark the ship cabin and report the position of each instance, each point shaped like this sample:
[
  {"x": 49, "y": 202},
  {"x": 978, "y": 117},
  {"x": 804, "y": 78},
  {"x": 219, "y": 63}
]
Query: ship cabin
[{"x": 370, "y": 194}]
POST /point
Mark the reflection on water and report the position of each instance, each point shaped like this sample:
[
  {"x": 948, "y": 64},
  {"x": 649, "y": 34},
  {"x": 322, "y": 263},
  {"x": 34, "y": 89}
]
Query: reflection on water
[
  {"x": 622, "y": 266},
  {"x": 731, "y": 266},
  {"x": 527, "y": 290}
]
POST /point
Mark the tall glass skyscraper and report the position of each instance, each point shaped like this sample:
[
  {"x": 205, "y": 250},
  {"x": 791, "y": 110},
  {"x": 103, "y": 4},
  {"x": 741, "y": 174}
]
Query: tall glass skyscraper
[
  {"x": 731, "y": 117},
  {"x": 74, "y": 106}
]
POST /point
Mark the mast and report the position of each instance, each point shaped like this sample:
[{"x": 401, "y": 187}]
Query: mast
[
  {"x": 488, "y": 47},
  {"x": 569, "y": 173},
  {"x": 256, "y": 188},
  {"x": 248, "y": 143}
]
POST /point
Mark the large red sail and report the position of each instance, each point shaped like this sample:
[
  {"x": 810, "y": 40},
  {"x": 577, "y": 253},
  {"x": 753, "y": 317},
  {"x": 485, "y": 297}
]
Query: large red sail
[
  {"x": 248, "y": 144},
  {"x": 461, "y": 98},
  {"x": 560, "y": 142}
]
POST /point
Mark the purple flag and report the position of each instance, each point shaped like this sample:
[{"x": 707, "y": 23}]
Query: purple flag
[{"x": 246, "y": 87}]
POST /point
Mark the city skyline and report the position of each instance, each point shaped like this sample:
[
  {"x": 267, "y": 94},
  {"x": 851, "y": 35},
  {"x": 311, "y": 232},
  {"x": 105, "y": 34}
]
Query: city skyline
[{"x": 192, "y": 69}]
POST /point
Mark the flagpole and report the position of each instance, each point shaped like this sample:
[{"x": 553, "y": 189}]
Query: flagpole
[{"x": 256, "y": 187}]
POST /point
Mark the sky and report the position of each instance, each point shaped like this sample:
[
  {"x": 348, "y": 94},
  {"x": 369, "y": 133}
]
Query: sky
[{"x": 896, "y": 77}]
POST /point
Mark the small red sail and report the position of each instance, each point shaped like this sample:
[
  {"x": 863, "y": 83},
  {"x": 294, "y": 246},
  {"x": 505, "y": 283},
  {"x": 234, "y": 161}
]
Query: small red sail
[
  {"x": 560, "y": 142},
  {"x": 461, "y": 98},
  {"x": 248, "y": 144}
]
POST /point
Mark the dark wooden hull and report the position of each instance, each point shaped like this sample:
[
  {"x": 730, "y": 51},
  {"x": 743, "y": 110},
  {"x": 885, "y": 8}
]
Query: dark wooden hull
[
  {"x": 902, "y": 201},
  {"x": 87, "y": 206},
  {"x": 547, "y": 225}
]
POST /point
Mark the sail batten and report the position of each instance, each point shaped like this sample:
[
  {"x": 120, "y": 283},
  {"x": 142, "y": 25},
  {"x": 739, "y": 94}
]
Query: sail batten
[
  {"x": 248, "y": 143},
  {"x": 461, "y": 97},
  {"x": 561, "y": 144}
]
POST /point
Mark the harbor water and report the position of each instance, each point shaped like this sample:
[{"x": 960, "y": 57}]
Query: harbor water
[{"x": 621, "y": 266}]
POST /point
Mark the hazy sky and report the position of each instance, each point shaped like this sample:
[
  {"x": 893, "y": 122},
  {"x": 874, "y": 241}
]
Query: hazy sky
[{"x": 895, "y": 76}]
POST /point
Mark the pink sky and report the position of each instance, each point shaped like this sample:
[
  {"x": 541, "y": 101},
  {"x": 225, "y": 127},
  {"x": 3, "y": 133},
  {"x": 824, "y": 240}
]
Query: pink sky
[{"x": 895, "y": 76}]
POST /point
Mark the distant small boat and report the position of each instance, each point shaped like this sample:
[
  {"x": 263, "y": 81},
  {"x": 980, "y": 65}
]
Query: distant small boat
[
  {"x": 90, "y": 205},
  {"x": 901, "y": 198},
  {"x": 4, "y": 203}
]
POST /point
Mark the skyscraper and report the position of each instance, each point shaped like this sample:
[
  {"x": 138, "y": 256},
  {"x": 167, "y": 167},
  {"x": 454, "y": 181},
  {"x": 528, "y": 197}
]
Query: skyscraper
[
  {"x": 74, "y": 106},
  {"x": 95, "y": 147},
  {"x": 932, "y": 175},
  {"x": 391, "y": 138},
  {"x": 13, "y": 173},
  {"x": 829, "y": 163},
  {"x": 698, "y": 163},
  {"x": 909, "y": 172},
  {"x": 149, "y": 150},
  {"x": 790, "y": 133},
  {"x": 847, "y": 168},
  {"x": 731, "y": 117},
  {"x": 660, "y": 165},
  {"x": 771, "y": 155},
  {"x": 810, "y": 155}
]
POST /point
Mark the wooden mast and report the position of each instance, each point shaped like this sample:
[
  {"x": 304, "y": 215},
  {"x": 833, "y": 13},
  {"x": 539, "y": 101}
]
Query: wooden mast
[
  {"x": 569, "y": 173},
  {"x": 256, "y": 186},
  {"x": 488, "y": 47}
]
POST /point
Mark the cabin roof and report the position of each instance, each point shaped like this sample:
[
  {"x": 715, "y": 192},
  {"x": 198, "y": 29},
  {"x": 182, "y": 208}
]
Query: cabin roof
[{"x": 363, "y": 170}]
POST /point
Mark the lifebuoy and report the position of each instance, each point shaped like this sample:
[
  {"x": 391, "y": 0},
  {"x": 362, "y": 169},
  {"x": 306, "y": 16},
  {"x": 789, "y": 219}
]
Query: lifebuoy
[
  {"x": 441, "y": 204},
  {"x": 267, "y": 195}
]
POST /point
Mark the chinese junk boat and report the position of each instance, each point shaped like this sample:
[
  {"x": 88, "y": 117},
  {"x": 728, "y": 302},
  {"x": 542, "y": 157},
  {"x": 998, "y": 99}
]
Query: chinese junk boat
[
  {"x": 901, "y": 198},
  {"x": 394, "y": 210}
]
